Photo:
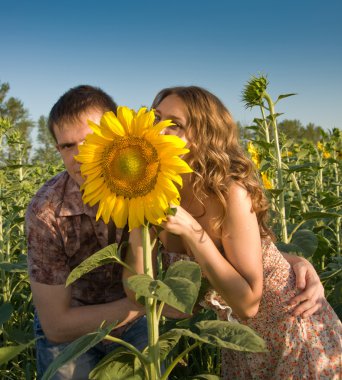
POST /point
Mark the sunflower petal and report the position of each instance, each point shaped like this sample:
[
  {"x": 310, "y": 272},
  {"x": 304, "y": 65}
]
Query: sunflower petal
[
  {"x": 110, "y": 204},
  {"x": 157, "y": 128},
  {"x": 120, "y": 212},
  {"x": 102, "y": 132},
  {"x": 125, "y": 116},
  {"x": 136, "y": 213},
  {"x": 110, "y": 121},
  {"x": 177, "y": 165},
  {"x": 102, "y": 204}
]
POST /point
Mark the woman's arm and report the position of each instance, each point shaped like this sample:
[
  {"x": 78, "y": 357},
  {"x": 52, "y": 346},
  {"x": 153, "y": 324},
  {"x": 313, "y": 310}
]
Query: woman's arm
[{"x": 238, "y": 277}]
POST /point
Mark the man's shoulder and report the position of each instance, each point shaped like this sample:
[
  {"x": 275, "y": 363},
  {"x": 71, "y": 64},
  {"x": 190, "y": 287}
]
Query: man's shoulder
[{"x": 50, "y": 195}]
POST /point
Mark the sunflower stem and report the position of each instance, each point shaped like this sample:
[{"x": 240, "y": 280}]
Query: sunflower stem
[
  {"x": 151, "y": 312},
  {"x": 280, "y": 181}
]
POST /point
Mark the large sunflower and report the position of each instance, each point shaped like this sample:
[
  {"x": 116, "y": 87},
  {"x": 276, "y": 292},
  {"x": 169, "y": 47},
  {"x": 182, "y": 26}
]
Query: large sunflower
[{"x": 129, "y": 168}]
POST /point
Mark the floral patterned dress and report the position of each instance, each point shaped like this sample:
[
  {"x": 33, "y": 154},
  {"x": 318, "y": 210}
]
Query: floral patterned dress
[{"x": 299, "y": 348}]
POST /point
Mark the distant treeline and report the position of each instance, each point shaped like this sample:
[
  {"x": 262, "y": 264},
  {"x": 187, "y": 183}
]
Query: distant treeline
[{"x": 40, "y": 145}]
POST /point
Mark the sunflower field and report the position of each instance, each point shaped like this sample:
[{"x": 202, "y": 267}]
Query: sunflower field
[{"x": 301, "y": 177}]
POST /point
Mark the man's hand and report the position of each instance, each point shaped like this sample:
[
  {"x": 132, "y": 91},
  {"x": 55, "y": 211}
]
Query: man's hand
[{"x": 310, "y": 300}]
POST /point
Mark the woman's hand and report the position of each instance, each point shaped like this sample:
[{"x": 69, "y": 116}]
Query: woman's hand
[
  {"x": 310, "y": 300},
  {"x": 181, "y": 223}
]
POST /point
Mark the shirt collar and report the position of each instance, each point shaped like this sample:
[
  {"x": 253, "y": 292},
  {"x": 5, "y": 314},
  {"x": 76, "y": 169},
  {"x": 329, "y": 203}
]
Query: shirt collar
[{"x": 72, "y": 203}]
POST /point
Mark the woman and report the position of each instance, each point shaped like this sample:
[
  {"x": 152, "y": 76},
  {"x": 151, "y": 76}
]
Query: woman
[{"x": 222, "y": 224}]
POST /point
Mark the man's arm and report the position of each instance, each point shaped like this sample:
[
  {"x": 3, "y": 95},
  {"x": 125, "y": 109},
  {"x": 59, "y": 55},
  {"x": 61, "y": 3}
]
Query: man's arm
[
  {"x": 309, "y": 300},
  {"x": 63, "y": 323}
]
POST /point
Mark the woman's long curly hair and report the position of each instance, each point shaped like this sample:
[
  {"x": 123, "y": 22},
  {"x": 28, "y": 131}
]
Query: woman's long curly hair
[{"x": 216, "y": 155}]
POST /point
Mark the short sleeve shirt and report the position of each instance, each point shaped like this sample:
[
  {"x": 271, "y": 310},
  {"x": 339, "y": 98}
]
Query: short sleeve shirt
[{"x": 61, "y": 233}]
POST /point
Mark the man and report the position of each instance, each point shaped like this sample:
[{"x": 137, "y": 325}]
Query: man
[{"x": 61, "y": 233}]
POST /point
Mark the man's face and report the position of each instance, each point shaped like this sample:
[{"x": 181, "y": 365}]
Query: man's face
[{"x": 72, "y": 134}]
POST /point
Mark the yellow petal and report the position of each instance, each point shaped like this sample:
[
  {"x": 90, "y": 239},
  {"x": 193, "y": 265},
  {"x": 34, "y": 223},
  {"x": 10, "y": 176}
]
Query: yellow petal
[
  {"x": 96, "y": 140},
  {"x": 141, "y": 111},
  {"x": 125, "y": 116},
  {"x": 110, "y": 121},
  {"x": 92, "y": 183},
  {"x": 161, "y": 188},
  {"x": 172, "y": 176},
  {"x": 177, "y": 165},
  {"x": 104, "y": 133},
  {"x": 120, "y": 212},
  {"x": 162, "y": 142},
  {"x": 110, "y": 204},
  {"x": 145, "y": 119},
  {"x": 170, "y": 152},
  {"x": 102, "y": 204},
  {"x": 88, "y": 190},
  {"x": 136, "y": 213},
  {"x": 157, "y": 128},
  {"x": 154, "y": 213}
]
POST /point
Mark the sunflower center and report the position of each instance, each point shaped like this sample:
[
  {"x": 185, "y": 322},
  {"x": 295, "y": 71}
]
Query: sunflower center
[{"x": 131, "y": 166}]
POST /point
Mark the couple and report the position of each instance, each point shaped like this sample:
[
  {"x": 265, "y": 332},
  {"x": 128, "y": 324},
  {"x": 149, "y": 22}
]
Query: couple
[{"x": 224, "y": 200}]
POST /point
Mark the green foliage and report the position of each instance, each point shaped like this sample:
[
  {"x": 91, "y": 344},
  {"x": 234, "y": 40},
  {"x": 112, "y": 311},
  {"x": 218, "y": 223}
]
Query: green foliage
[
  {"x": 104, "y": 256},
  {"x": 10, "y": 352},
  {"x": 308, "y": 162},
  {"x": 46, "y": 150},
  {"x": 298, "y": 133},
  {"x": 77, "y": 348},
  {"x": 19, "y": 180},
  {"x": 179, "y": 288},
  {"x": 120, "y": 364},
  {"x": 15, "y": 129}
]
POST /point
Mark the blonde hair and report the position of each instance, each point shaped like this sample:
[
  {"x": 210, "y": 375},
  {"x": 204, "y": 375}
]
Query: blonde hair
[{"x": 216, "y": 155}]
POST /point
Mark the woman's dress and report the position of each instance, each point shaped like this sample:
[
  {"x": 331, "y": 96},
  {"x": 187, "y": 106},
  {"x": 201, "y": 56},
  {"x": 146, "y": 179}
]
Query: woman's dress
[{"x": 299, "y": 348}]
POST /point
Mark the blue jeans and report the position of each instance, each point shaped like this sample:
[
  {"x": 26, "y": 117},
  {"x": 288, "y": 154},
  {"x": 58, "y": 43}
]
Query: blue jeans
[{"x": 79, "y": 369}]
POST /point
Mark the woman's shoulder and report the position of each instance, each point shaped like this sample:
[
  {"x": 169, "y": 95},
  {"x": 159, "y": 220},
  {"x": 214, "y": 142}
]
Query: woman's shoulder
[{"x": 238, "y": 196}]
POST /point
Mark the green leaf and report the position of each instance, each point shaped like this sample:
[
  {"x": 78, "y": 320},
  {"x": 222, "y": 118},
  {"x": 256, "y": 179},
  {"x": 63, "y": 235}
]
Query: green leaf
[
  {"x": 274, "y": 192},
  {"x": 177, "y": 292},
  {"x": 105, "y": 256},
  {"x": 231, "y": 335},
  {"x": 171, "y": 211},
  {"x": 303, "y": 241},
  {"x": 185, "y": 269},
  {"x": 10, "y": 352},
  {"x": 6, "y": 310},
  {"x": 77, "y": 348},
  {"x": 331, "y": 201},
  {"x": 167, "y": 342},
  {"x": 120, "y": 364},
  {"x": 226, "y": 334},
  {"x": 320, "y": 215},
  {"x": 274, "y": 116},
  {"x": 288, "y": 143},
  {"x": 13, "y": 267},
  {"x": 19, "y": 336},
  {"x": 302, "y": 168},
  {"x": 263, "y": 144},
  {"x": 284, "y": 96},
  {"x": 303, "y": 153},
  {"x": 205, "y": 377}
]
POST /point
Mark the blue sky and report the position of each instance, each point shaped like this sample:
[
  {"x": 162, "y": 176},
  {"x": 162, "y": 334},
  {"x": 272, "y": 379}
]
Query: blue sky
[{"x": 132, "y": 49}]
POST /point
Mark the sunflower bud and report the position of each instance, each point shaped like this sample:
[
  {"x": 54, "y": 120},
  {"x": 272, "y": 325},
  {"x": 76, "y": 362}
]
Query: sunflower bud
[{"x": 254, "y": 91}]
